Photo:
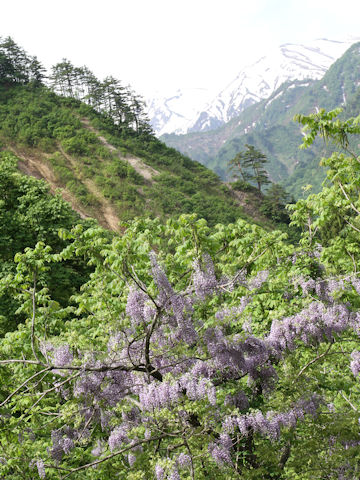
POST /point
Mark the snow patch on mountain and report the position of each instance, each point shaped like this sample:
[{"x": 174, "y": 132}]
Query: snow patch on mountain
[
  {"x": 198, "y": 109},
  {"x": 258, "y": 81},
  {"x": 174, "y": 112}
]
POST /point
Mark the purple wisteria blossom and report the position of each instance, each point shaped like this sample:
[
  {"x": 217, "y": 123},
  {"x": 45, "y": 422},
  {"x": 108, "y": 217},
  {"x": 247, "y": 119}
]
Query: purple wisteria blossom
[
  {"x": 177, "y": 306},
  {"x": 135, "y": 305},
  {"x": 220, "y": 454},
  {"x": 174, "y": 475},
  {"x": 225, "y": 357},
  {"x": 198, "y": 388},
  {"x": 183, "y": 460},
  {"x": 40, "y": 468},
  {"x": 159, "y": 395},
  {"x": 233, "y": 312},
  {"x": 98, "y": 449},
  {"x": 159, "y": 472},
  {"x": 270, "y": 424},
  {"x": 67, "y": 445},
  {"x": 260, "y": 278},
  {"x": 165, "y": 289},
  {"x": 225, "y": 441},
  {"x": 355, "y": 363},
  {"x": 62, "y": 442},
  {"x": 323, "y": 288},
  {"x": 239, "y": 400},
  {"x": 204, "y": 279},
  {"x": 118, "y": 436},
  {"x": 356, "y": 284},
  {"x": 145, "y": 368},
  {"x": 307, "y": 285},
  {"x": 63, "y": 356},
  {"x": 89, "y": 383},
  {"x": 314, "y": 324}
]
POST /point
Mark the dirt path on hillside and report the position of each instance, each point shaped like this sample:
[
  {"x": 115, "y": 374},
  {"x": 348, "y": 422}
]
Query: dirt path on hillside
[
  {"x": 35, "y": 167},
  {"x": 142, "y": 169},
  {"x": 106, "y": 208}
]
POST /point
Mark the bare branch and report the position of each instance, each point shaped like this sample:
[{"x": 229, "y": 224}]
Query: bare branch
[
  {"x": 150, "y": 369},
  {"x": 313, "y": 361},
  {"x": 119, "y": 452},
  {"x": 21, "y": 360},
  {"x": 348, "y": 401},
  {"x": 347, "y": 198},
  {"x": 49, "y": 390},
  {"x": 33, "y": 319},
  {"x": 23, "y": 385},
  {"x": 352, "y": 226}
]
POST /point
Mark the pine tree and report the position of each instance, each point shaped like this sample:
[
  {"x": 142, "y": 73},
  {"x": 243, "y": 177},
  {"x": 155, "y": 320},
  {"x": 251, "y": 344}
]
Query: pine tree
[
  {"x": 37, "y": 72},
  {"x": 236, "y": 166},
  {"x": 62, "y": 78},
  {"x": 16, "y": 67},
  {"x": 249, "y": 163}
]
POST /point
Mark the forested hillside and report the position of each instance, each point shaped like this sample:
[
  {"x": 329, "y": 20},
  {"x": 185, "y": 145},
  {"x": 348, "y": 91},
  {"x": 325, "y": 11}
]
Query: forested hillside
[
  {"x": 92, "y": 141},
  {"x": 176, "y": 347}
]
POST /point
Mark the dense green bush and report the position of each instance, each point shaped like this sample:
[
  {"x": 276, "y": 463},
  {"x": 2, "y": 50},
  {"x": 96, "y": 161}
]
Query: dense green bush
[{"x": 29, "y": 214}]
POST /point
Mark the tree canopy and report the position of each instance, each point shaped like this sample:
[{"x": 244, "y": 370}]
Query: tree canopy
[
  {"x": 16, "y": 66},
  {"x": 249, "y": 164}
]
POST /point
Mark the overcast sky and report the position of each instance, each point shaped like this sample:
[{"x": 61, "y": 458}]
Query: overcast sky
[{"x": 166, "y": 44}]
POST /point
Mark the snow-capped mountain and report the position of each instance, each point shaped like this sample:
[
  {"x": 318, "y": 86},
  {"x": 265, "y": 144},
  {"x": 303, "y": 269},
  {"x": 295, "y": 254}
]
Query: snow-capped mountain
[
  {"x": 190, "y": 110},
  {"x": 173, "y": 113}
]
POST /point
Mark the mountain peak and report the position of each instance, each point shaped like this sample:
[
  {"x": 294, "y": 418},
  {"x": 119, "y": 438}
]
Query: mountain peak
[{"x": 193, "y": 110}]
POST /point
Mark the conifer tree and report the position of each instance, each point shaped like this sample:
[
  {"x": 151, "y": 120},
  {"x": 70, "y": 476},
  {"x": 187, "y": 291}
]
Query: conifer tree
[
  {"x": 62, "y": 78},
  {"x": 236, "y": 166},
  {"x": 250, "y": 164},
  {"x": 255, "y": 160},
  {"x": 16, "y": 67}
]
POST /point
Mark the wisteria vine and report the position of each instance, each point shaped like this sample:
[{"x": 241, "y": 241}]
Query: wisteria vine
[{"x": 140, "y": 391}]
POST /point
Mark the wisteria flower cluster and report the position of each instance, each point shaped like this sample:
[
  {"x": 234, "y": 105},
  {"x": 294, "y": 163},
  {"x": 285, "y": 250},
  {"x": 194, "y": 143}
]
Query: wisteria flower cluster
[{"x": 169, "y": 377}]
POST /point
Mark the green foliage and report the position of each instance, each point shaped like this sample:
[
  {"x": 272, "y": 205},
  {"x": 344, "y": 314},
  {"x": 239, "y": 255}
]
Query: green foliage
[
  {"x": 244, "y": 186},
  {"x": 322, "y": 124},
  {"x": 253, "y": 160},
  {"x": 37, "y": 397},
  {"x": 331, "y": 217},
  {"x": 274, "y": 203},
  {"x": 17, "y": 67},
  {"x": 28, "y": 215}
]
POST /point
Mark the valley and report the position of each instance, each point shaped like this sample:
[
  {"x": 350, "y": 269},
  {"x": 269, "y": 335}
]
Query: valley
[{"x": 158, "y": 321}]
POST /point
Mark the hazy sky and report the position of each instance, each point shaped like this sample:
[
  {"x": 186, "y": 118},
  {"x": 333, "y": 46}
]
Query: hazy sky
[{"x": 166, "y": 44}]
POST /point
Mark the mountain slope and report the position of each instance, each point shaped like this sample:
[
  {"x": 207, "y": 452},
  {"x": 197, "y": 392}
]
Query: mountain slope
[
  {"x": 90, "y": 139},
  {"x": 258, "y": 81},
  {"x": 174, "y": 112},
  {"x": 106, "y": 175},
  {"x": 192, "y": 110},
  {"x": 269, "y": 126}
]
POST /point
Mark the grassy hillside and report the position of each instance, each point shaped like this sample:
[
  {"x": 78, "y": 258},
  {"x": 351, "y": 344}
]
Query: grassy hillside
[
  {"x": 105, "y": 174},
  {"x": 90, "y": 140}
]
